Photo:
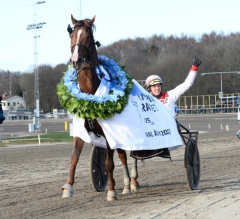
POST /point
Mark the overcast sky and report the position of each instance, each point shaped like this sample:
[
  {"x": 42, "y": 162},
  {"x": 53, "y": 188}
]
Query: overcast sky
[{"x": 115, "y": 20}]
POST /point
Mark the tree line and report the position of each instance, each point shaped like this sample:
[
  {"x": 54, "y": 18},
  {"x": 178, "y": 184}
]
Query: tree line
[{"x": 169, "y": 57}]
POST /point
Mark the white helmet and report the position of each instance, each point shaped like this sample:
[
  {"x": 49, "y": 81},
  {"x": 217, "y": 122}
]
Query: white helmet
[{"x": 153, "y": 79}]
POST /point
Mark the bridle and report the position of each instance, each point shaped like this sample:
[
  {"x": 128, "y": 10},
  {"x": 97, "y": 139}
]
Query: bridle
[{"x": 84, "y": 59}]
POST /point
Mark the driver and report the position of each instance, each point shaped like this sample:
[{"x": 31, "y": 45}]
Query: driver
[{"x": 168, "y": 98}]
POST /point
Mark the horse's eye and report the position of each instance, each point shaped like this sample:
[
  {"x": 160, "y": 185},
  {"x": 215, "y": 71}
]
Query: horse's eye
[{"x": 88, "y": 37}]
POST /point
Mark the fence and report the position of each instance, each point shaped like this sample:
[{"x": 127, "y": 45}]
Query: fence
[
  {"x": 203, "y": 104},
  {"x": 18, "y": 114}
]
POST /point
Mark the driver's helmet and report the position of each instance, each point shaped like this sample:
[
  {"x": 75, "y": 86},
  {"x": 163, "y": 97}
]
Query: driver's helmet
[{"x": 153, "y": 79}]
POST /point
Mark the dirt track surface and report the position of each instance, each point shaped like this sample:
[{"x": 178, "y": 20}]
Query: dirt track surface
[{"x": 31, "y": 178}]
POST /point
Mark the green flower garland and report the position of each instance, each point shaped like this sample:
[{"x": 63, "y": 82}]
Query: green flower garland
[{"x": 91, "y": 110}]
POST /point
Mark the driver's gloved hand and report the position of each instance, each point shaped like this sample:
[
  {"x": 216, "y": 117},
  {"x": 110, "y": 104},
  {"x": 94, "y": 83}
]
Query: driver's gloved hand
[{"x": 197, "y": 61}]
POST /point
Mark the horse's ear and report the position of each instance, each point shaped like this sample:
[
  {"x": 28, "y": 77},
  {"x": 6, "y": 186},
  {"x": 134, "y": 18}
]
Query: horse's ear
[
  {"x": 73, "y": 19},
  {"x": 92, "y": 21}
]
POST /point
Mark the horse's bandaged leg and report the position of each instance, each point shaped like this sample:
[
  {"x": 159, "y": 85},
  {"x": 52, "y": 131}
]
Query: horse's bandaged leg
[
  {"x": 126, "y": 175},
  {"x": 134, "y": 175},
  {"x": 126, "y": 178},
  {"x": 111, "y": 195},
  {"x": 134, "y": 172},
  {"x": 67, "y": 190}
]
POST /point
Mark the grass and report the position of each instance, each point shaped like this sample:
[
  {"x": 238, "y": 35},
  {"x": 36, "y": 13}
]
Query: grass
[{"x": 49, "y": 137}]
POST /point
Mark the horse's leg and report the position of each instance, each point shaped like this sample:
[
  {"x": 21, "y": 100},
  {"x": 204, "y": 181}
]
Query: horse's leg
[
  {"x": 134, "y": 176},
  {"x": 126, "y": 177},
  {"x": 109, "y": 165},
  {"x": 77, "y": 148}
]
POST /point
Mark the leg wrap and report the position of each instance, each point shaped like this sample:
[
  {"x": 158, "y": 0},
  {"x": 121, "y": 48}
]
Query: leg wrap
[
  {"x": 134, "y": 172},
  {"x": 111, "y": 195},
  {"x": 126, "y": 176},
  {"x": 67, "y": 190}
]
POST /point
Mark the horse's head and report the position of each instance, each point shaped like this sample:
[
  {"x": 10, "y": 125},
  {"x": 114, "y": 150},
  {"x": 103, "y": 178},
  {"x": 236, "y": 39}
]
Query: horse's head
[
  {"x": 82, "y": 43},
  {"x": 84, "y": 54}
]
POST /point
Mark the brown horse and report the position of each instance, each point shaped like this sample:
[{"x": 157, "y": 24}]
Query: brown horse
[{"x": 84, "y": 59}]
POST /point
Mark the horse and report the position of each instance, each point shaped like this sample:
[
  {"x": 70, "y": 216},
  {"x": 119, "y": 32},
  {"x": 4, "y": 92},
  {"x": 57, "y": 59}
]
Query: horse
[{"x": 84, "y": 59}]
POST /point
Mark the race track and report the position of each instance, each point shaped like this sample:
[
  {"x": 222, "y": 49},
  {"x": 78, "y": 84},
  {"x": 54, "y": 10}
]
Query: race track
[{"x": 31, "y": 178}]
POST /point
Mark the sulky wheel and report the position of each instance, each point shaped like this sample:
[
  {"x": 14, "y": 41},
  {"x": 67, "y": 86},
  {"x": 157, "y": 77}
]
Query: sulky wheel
[
  {"x": 192, "y": 164},
  {"x": 98, "y": 173}
]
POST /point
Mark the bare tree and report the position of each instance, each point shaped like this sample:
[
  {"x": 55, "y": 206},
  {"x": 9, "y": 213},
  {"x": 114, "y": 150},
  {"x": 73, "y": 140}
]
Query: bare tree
[
  {"x": 27, "y": 86},
  {"x": 10, "y": 83},
  {"x": 48, "y": 79}
]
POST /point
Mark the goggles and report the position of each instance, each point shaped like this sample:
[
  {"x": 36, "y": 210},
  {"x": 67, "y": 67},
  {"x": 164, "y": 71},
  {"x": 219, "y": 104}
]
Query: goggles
[{"x": 156, "y": 81}]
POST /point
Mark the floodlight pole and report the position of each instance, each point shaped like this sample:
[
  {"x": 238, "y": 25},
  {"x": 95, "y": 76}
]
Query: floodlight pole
[
  {"x": 221, "y": 73},
  {"x": 36, "y": 26}
]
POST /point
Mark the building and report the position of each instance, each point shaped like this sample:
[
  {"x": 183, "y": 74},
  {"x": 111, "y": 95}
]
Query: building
[{"x": 13, "y": 103}]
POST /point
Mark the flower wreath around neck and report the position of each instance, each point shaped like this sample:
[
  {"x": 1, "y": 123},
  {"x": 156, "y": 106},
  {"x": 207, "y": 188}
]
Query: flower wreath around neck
[{"x": 92, "y": 107}]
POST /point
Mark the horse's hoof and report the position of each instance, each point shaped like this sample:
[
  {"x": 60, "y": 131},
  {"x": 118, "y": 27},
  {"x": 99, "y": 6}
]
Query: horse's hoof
[
  {"x": 134, "y": 189},
  {"x": 67, "y": 190},
  {"x": 126, "y": 192},
  {"x": 111, "y": 195}
]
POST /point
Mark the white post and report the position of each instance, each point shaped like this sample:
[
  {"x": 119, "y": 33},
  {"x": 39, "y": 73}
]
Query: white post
[
  {"x": 39, "y": 141},
  {"x": 227, "y": 128}
]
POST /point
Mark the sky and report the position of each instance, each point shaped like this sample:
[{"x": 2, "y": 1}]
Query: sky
[{"x": 115, "y": 20}]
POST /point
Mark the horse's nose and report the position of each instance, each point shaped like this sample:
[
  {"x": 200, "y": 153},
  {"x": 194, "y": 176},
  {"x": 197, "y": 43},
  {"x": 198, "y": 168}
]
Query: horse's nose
[{"x": 74, "y": 57}]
